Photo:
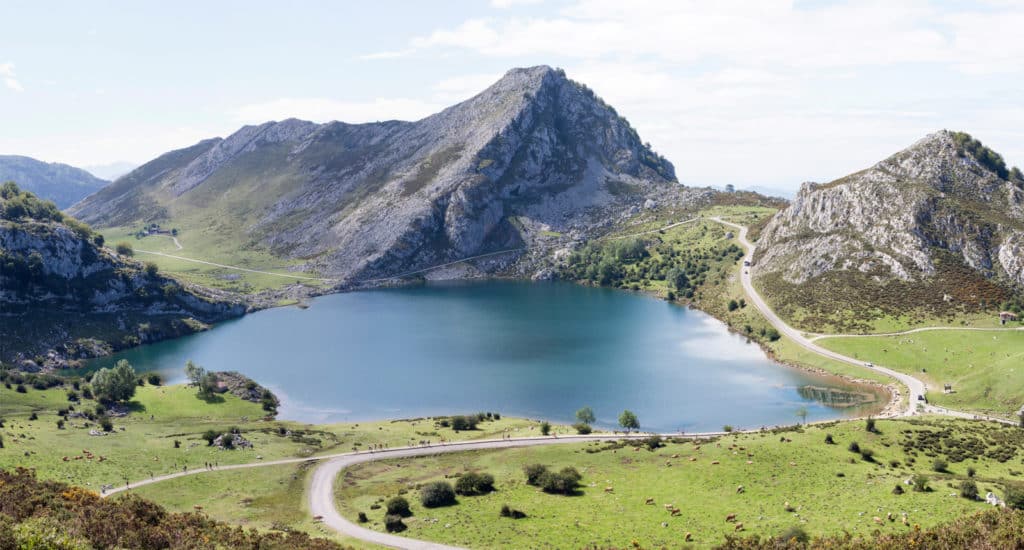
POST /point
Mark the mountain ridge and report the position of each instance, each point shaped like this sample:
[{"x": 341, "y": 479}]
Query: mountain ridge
[
  {"x": 61, "y": 183},
  {"x": 533, "y": 152}
]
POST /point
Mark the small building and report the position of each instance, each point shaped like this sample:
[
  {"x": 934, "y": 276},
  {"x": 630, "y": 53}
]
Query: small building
[{"x": 1005, "y": 316}]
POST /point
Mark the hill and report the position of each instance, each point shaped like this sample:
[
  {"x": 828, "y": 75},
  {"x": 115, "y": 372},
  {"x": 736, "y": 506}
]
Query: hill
[
  {"x": 64, "y": 185},
  {"x": 64, "y": 296},
  {"x": 533, "y": 154},
  {"x": 934, "y": 231}
]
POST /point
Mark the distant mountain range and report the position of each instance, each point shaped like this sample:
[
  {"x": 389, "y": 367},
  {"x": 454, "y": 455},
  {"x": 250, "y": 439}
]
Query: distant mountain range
[
  {"x": 935, "y": 229},
  {"x": 110, "y": 171},
  {"x": 534, "y": 153},
  {"x": 60, "y": 183}
]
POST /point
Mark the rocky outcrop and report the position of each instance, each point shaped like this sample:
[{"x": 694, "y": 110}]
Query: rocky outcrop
[
  {"x": 945, "y": 196},
  {"x": 367, "y": 200},
  {"x": 63, "y": 297}
]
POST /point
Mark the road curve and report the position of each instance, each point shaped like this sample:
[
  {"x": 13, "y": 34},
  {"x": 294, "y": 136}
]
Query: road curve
[{"x": 916, "y": 387}]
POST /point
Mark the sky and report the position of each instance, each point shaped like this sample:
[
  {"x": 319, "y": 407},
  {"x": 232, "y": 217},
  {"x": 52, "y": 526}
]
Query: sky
[{"x": 760, "y": 93}]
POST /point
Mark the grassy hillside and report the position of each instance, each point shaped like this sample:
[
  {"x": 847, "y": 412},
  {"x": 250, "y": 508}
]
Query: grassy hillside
[
  {"x": 985, "y": 368},
  {"x": 829, "y": 489}
]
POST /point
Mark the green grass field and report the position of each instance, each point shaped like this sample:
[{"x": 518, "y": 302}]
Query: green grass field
[
  {"x": 829, "y": 488},
  {"x": 985, "y": 368},
  {"x": 162, "y": 415},
  {"x": 210, "y": 246}
]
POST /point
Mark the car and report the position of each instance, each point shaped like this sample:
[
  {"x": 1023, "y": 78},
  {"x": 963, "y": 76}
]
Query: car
[
  {"x": 746, "y": 263},
  {"x": 920, "y": 398},
  {"x": 869, "y": 365}
]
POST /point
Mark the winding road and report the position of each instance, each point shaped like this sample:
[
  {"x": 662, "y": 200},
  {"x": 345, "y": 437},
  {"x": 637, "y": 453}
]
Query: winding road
[{"x": 321, "y": 499}]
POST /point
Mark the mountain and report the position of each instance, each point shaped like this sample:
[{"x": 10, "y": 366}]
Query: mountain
[
  {"x": 63, "y": 296},
  {"x": 534, "y": 153},
  {"x": 65, "y": 185},
  {"x": 111, "y": 171},
  {"x": 933, "y": 230}
]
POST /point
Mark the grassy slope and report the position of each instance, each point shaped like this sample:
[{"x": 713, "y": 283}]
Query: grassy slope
[
  {"x": 209, "y": 245},
  {"x": 803, "y": 472},
  {"x": 986, "y": 369},
  {"x": 146, "y": 446}
]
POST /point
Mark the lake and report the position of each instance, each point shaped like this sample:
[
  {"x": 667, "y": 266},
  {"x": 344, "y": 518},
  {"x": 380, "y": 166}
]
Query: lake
[{"x": 538, "y": 350}]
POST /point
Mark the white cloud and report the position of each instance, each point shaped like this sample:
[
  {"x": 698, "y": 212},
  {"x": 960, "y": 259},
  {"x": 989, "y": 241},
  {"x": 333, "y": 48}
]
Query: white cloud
[
  {"x": 10, "y": 79},
  {"x": 325, "y": 110},
  {"x": 505, "y": 4}
]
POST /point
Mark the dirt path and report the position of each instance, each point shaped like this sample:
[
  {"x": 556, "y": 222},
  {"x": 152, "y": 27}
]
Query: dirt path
[
  {"x": 814, "y": 337},
  {"x": 236, "y": 268}
]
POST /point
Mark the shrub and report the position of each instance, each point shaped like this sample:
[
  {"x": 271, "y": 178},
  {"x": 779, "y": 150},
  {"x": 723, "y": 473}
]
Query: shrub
[
  {"x": 1014, "y": 496},
  {"x": 727, "y": 428},
  {"x": 971, "y": 471},
  {"x": 460, "y": 423},
  {"x": 393, "y": 523},
  {"x": 363, "y": 518},
  {"x": 854, "y": 447},
  {"x": 653, "y": 442},
  {"x": 870, "y": 424},
  {"x": 33, "y": 416},
  {"x": 867, "y": 454},
  {"x": 20, "y": 388},
  {"x": 152, "y": 269},
  {"x": 794, "y": 533},
  {"x": 154, "y": 379},
  {"x": 829, "y": 440},
  {"x": 969, "y": 489},
  {"x": 898, "y": 489},
  {"x": 582, "y": 429},
  {"x": 106, "y": 424},
  {"x": 124, "y": 249},
  {"x": 437, "y": 493},
  {"x": 472, "y": 483},
  {"x": 534, "y": 472},
  {"x": 920, "y": 483},
  {"x": 773, "y": 335},
  {"x": 563, "y": 482},
  {"x": 177, "y": 444},
  {"x": 60, "y": 424},
  {"x": 398, "y": 506},
  {"x": 733, "y": 305},
  {"x": 940, "y": 465},
  {"x": 508, "y": 512},
  {"x": 210, "y": 436},
  {"x": 545, "y": 428}
]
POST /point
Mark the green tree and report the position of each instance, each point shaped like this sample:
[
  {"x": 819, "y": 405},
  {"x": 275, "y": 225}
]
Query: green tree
[
  {"x": 629, "y": 421},
  {"x": 194, "y": 372},
  {"x": 152, "y": 269},
  {"x": 208, "y": 384},
  {"x": 586, "y": 416},
  {"x": 545, "y": 428},
  {"x": 116, "y": 384},
  {"x": 437, "y": 493}
]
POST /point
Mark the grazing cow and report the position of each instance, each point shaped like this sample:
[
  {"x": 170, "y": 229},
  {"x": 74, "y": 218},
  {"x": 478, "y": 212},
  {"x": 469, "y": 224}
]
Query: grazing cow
[
  {"x": 750, "y": 462},
  {"x": 688, "y": 537},
  {"x": 676, "y": 512},
  {"x": 738, "y": 527},
  {"x": 890, "y": 517},
  {"x": 715, "y": 462},
  {"x": 675, "y": 456},
  {"x": 693, "y": 459},
  {"x": 792, "y": 463},
  {"x": 877, "y": 520},
  {"x": 670, "y": 506},
  {"x": 609, "y": 489},
  {"x": 730, "y": 517},
  {"x": 905, "y": 521},
  {"x": 649, "y": 501},
  {"x": 65, "y": 459},
  {"x": 196, "y": 507},
  {"x": 740, "y": 489}
]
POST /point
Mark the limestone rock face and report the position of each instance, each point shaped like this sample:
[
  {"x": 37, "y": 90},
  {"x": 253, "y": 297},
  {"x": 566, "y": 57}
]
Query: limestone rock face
[
  {"x": 365, "y": 200},
  {"x": 893, "y": 220}
]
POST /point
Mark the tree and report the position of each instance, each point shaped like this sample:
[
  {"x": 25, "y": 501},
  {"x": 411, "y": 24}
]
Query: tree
[
  {"x": 730, "y": 188},
  {"x": 802, "y": 413},
  {"x": 437, "y": 493},
  {"x": 398, "y": 506},
  {"x": 534, "y": 472},
  {"x": 563, "y": 482},
  {"x": 208, "y": 384},
  {"x": 629, "y": 421},
  {"x": 472, "y": 483},
  {"x": 152, "y": 269},
  {"x": 545, "y": 428},
  {"x": 733, "y": 305},
  {"x": 463, "y": 422},
  {"x": 194, "y": 372},
  {"x": 586, "y": 416},
  {"x": 773, "y": 335},
  {"x": 116, "y": 384},
  {"x": 969, "y": 489}
]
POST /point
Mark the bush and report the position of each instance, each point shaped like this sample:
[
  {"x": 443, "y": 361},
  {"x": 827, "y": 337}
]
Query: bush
[
  {"x": 508, "y": 512},
  {"x": 969, "y": 489},
  {"x": 437, "y": 493},
  {"x": 867, "y": 454},
  {"x": 177, "y": 444},
  {"x": 582, "y": 429},
  {"x": 124, "y": 249},
  {"x": 563, "y": 482},
  {"x": 534, "y": 472},
  {"x": 773, "y": 335},
  {"x": 154, "y": 379},
  {"x": 829, "y": 440},
  {"x": 60, "y": 424},
  {"x": 398, "y": 506},
  {"x": 393, "y": 523},
  {"x": 940, "y": 465},
  {"x": 363, "y": 518},
  {"x": 472, "y": 483},
  {"x": 33, "y": 416},
  {"x": 733, "y": 305},
  {"x": 971, "y": 471},
  {"x": 727, "y": 428},
  {"x": 106, "y": 424},
  {"x": 545, "y": 428},
  {"x": 460, "y": 423},
  {"x": 920, "y": 483},
  {"x": 794, "y": 534},
  {"x": 898, "y": 490},
  {"x": 870, "y": 424},
  {"x": 854, "y": 447},
  {"x": 210, "y": 436},
  {"x": 1014, "y": 496},
  {"x": 20, "y": 388},
  {"x": 653, "y": 442},
  {"x": 152, "y": 269}
]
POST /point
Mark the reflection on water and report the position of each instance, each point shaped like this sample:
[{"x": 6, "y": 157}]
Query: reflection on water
[
  {"x": 524, "y": 349},
  {"x": 837, "y": 398}
]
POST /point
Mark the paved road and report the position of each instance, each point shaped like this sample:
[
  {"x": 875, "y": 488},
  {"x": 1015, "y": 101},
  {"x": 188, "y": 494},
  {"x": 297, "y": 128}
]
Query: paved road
[{"x": 916, "y": 387}]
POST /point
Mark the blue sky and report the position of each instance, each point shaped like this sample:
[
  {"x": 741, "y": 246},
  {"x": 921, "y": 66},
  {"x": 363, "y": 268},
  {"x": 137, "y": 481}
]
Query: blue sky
[{"x": 767, "y": 93}]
